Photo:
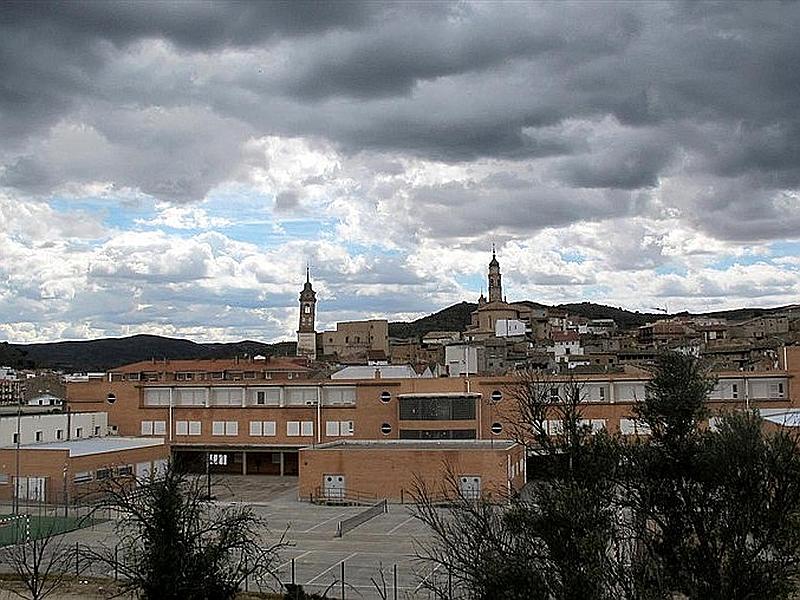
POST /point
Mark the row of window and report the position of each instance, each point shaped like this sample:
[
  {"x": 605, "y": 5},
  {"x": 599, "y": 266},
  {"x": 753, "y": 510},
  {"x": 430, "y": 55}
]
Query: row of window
[
  {"x": 633, "y": 391},
  {"x": 274, "y": 396},
  {"x": 626, "y": 426},
  {"x": 419, "y": 408},
  {"x": 142, "y": 471},
  {"x": 202, "y": 375},
  {"x": 257, "y": 428},
  {"x": 38, "y": 435}
]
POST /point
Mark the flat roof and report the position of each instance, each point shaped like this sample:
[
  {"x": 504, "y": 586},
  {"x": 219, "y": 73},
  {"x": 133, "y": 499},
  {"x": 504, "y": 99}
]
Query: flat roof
[
  {"x": 788, "y": 417},
  {"x": 416, "y": 445},
  {"x": 95, "y": 445}
]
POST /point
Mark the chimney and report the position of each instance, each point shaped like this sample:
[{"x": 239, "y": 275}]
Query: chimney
[{"x": 377, "y": 373}]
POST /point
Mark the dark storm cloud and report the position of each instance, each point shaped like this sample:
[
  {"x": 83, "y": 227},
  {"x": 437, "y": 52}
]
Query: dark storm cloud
[
  {"x": 460, "y": 210},
  {"x": 194, "y": 25},
  {"x": 392, "y": 57},
  {"x": 622, "y": 163},
  {"x": 697, "y": 89}
]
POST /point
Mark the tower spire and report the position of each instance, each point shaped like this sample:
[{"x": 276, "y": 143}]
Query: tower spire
[
  {"x": 306, "y": 333},
  {"x": 495, "y": 285}
]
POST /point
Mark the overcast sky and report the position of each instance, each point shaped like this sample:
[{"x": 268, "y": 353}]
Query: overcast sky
[{"x": 170, "y": 168}]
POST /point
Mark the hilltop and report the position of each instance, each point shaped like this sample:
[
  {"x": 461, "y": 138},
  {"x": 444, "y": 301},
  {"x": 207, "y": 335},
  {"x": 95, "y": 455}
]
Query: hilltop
[{"x": 106, "y": 353}]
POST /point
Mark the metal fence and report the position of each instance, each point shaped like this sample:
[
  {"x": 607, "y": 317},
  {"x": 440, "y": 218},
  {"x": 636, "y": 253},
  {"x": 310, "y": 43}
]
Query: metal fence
[{"x": 345, "y": 580}]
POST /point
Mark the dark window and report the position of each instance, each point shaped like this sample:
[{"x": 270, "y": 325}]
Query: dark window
[
  {"x": 437, "y": 409},
  {"x": 437, "y": 434},
  {"x": 386, "y": 429},
  {"x": 103, "y": 473}
]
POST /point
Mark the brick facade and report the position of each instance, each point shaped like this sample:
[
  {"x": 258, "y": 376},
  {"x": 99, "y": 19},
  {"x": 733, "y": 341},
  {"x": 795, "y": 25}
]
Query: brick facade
[
  {"x": 56, "y": 466},
  {"x": 389, "y": 470}
]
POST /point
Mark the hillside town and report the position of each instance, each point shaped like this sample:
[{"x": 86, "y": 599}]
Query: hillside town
[
  {"x": 356, "y": 385},
  {"x": 405, "y": 299}
]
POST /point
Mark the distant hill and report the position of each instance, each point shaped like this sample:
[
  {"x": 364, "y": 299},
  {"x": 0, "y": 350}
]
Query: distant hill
[
  {"x": 452, "y": 318},
  {"x": 624, "y": 319},
  {"x": 103, "y": 354},
  {"x": 106, "y": 353},
  {"x": 457, "y": 317}
]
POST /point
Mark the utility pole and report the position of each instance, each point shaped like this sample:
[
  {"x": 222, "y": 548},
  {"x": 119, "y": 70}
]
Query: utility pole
[{"x": 16, "y": 457}]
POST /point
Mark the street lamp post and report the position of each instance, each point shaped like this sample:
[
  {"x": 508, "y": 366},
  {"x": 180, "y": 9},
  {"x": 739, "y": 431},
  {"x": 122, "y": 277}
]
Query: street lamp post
[{"x": 16, "y": 458}]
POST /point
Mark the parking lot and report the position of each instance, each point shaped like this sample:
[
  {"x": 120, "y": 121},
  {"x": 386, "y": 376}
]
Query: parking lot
[{"x": 386, "y": 543}]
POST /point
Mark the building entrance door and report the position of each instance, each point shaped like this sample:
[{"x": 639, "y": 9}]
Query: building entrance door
[
  {"x": 31, "y": 488},
  {"x": 333, "y": 486},
  {"x": 470, "y": 486}
]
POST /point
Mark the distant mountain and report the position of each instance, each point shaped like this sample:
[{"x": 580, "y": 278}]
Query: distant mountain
[{"x": 106, "y": 353}]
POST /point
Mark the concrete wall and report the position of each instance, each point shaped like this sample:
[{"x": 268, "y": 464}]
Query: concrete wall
[{"x": 81, "y": 425}]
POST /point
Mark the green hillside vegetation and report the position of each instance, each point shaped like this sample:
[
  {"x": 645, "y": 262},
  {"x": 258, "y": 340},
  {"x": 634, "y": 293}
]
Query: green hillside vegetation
[
  {"x": 452, "y": 318},
  {"x": 107, "y": 353}
]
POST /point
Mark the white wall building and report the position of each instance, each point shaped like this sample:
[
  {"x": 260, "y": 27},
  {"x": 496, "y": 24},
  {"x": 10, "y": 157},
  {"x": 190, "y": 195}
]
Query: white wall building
[
  {"x": 509, "y": 328},
  {"x": 461, "y": 360},
  {"x": 36, "y": 429}
]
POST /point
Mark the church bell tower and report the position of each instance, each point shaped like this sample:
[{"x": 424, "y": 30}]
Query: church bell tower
[
  {"x": 495, "y": 284},
  {"x": 306, "y": 335}
]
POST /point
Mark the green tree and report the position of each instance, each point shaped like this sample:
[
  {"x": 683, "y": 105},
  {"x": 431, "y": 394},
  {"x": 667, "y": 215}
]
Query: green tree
[
  {"x": 174, "y": 545},
  {"x": 561, "y": 539},
  {"x": 718, "y": 510}
]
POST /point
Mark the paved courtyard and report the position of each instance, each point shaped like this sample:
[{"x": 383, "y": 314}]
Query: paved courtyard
[{"x": 385, "y": 542}]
